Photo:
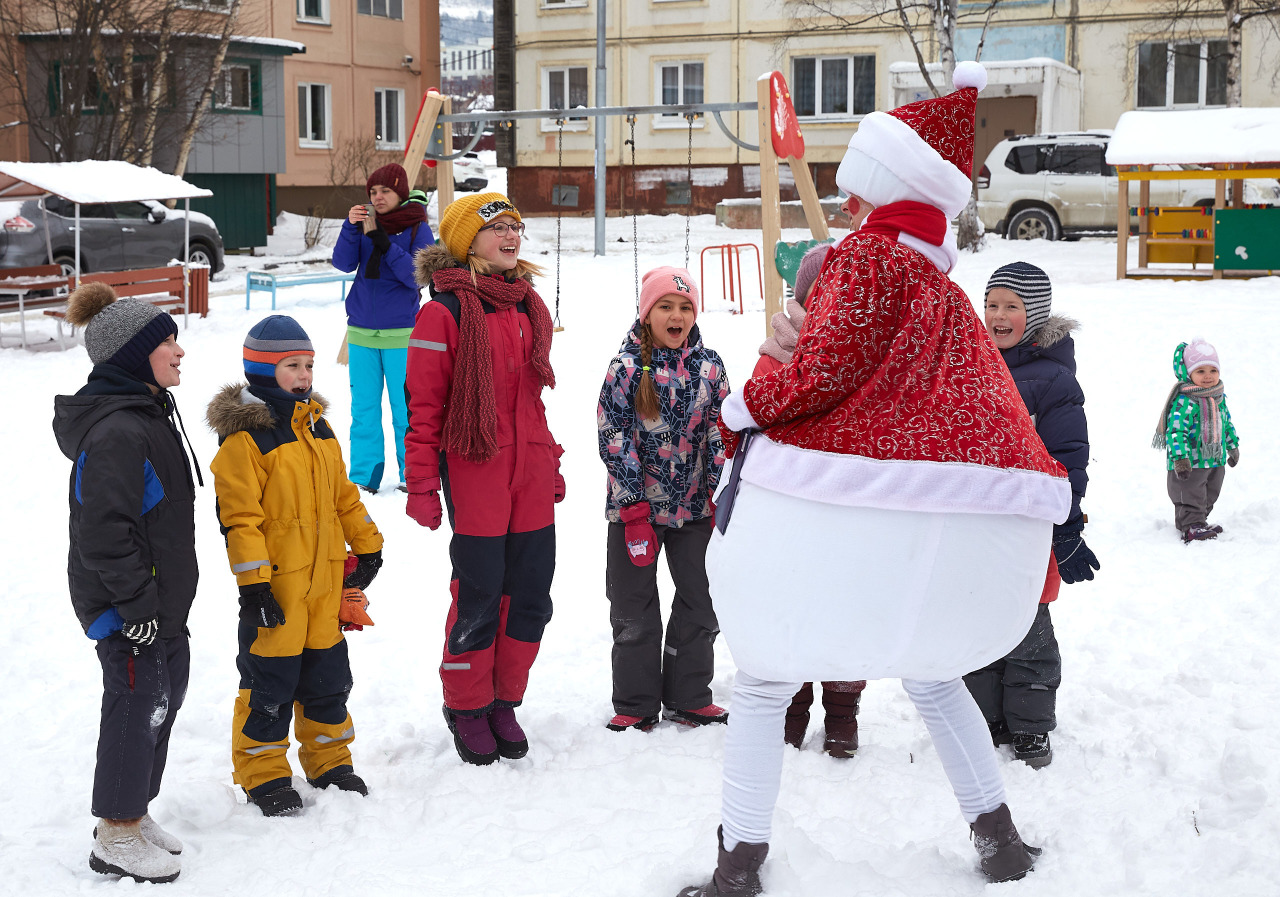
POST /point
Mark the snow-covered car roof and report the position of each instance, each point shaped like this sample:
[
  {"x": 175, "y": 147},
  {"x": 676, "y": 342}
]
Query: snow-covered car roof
[
  {"x": 1196, "y": 137},
  {"x": 93, "y": 181}
]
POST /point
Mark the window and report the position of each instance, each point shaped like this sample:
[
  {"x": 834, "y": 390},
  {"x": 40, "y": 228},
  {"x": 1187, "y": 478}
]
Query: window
[
  {"x": 313, "y": 115},
  {"x": 387, "y": 9},
  {"x": 237, "y": 89},
  {"x": 1182, "y": 74},
  {"x": 388, "y": 112},
  {"x": 679, "y": 83},
  {"x": 1030, "y": 159},
  {"x": 833, "y": 86},
  {"x": 1077, "y": 158},
  {"x": 565, "y": 88},
  {"x": 313, "y": 11}
]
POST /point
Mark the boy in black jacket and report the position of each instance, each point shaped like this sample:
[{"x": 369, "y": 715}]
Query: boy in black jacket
[
  {"x": 1018, "y": 693},
  {"x": 132, "y": 563}
]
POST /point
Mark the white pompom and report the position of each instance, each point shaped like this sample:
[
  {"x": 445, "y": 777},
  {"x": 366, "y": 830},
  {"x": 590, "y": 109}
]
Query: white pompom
[{"x": 969, "y": 74}]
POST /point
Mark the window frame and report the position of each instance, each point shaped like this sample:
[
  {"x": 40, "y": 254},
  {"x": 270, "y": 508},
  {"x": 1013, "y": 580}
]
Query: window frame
[
  {"x": 380, "y": 105},
  {"x": 310, "y": 142},
  {"x": 387, "y": 5},
  {"x": 254, "y": 68},
  {"x": 562, "y": 4},
  {"x": 580, "y": 123},
  {"x": 669, "y": 120},
  {"x": 325, "y": 17},
  {"x": 1170, "y": 73},
  {"x": 851, "y": 60}
]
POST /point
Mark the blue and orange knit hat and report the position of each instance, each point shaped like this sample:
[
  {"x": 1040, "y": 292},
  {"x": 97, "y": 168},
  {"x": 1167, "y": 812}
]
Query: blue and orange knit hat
[{"x": 269, "y": 342}]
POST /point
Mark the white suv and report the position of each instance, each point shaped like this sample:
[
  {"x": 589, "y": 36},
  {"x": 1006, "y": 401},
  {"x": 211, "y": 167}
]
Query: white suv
[{"x": 1048, "y": 186}]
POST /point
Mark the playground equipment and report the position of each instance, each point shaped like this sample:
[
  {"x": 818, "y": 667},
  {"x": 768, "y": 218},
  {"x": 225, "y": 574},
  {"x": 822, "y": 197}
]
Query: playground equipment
[{"x": 730, "y": 258}]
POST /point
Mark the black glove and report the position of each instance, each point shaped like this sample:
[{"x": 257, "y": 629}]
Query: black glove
[
  {"x": 1182, "y": 469},
  {"x": 367, "y": 566},
  {"x": 259, "y": 606},
  {"x": 141, "y": 633},
  {"x": 1233, "y": 457},
  {"x": 380, "y": 239},
  {"x": 1074, "y": 558}
]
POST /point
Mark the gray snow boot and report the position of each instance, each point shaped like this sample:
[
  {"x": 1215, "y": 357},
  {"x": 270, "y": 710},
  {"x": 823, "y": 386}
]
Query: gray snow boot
[
  {"x": 152, "y": 831},
  {"x": 120, "y": 849},
  {"x": 1004, "y": 856},
  {"x": 737, "y": 872}
]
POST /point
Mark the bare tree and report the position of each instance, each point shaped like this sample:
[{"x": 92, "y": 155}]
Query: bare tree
[
  {"x": 349, "y": 163},
  {"x": 930, "y": 27},
  {"x": 1206, "y": 18},
  {"x": 113, "y": 79}
]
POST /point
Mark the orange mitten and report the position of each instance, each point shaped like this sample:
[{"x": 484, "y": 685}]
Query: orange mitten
[{"x": 351, "y": 612}]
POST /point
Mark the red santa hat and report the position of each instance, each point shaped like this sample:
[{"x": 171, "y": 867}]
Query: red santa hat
[{"x": 922, "y": 151}]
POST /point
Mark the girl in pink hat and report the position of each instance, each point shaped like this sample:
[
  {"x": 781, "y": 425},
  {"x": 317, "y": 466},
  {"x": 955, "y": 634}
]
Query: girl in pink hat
[{"x": 658, "y": 439}]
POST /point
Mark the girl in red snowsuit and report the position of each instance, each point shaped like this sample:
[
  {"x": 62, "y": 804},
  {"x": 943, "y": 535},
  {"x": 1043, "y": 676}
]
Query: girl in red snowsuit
[{"x": 478, "y": 360}]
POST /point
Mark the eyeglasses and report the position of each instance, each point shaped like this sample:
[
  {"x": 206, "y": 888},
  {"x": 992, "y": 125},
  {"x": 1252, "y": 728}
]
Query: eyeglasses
[{"x": 502, "y": 227}]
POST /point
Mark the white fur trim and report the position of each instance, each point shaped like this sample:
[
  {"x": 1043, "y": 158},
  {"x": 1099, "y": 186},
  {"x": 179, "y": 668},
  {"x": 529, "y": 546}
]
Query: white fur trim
[
  {"x": 894, "y": 144},
  {"x": 858, "y": 593},
  {"x": 944, "y": 257},
  {"x": 969, "y": 74},
  {"x": 856, "y": 481},
  {"x": 735, "y": 415}
]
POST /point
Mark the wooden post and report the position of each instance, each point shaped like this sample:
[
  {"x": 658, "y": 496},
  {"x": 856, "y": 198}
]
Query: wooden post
[
  {"x": 770, "y": 203},
  {"x": 1219, "y": 202},
  {"x": 1144, "y": 221},
  {"x": 1122, "y": 232},
  {"x": 416, "y": 149},
  {"x": 809, "y": 198}
]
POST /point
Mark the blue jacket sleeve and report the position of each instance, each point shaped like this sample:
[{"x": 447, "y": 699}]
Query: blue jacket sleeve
[
  {"x": 1060, "y": 421},
  {"x": 401, "y": 260},
  {"x": 347, "y": 251}
]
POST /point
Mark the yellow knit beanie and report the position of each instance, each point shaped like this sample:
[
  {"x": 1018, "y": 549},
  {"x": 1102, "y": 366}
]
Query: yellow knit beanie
[{"x": 463, "y": 218}]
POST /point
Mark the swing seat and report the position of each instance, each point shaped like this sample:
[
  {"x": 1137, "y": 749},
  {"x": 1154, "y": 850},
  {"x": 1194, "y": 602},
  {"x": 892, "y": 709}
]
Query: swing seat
[{"x": 787, "y": 258}]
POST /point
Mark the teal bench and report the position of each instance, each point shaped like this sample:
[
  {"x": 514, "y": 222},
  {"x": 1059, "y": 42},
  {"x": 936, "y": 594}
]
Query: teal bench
[{"x": 268, "y": 282}]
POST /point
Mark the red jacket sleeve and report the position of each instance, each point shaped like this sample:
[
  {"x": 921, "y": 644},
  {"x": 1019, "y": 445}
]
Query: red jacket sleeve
[{"x": 433, "y": 346}]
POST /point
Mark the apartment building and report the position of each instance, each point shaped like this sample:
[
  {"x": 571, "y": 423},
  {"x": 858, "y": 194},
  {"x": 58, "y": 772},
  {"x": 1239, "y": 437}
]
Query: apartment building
[{"x": 1053, "y": 66}]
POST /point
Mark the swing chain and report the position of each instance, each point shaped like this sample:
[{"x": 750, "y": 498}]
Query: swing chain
[
  {"x": 557, "y": 200},
  {"x": 635, "y": 211},
  {"x": 689, "y": 116}
]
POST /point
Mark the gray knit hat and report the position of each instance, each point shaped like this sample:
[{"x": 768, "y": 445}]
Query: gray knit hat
[
  {"x": 1031, "y": 285},
  {"x": 123, "y": 332},
  {"x": 810, "y": 267}
]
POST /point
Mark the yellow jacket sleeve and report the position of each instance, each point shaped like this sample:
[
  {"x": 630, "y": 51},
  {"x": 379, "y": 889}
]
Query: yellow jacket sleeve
[{"x": 238, "y": 479}]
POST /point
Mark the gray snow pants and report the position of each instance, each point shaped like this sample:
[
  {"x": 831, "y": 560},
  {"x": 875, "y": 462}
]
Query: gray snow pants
[
  {"x": 1021, "y": 689},
  {"x": 648, "y": 671},
  {"x": 1193, "y": 498},
  {"x": 142, "y": 690}
]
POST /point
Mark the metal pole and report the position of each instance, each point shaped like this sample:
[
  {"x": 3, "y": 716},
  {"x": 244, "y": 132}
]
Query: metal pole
[
  {"x": 602, "y": 95},
  {"x": 77, "y": 245},
  {"x": 186, "y": 262}
]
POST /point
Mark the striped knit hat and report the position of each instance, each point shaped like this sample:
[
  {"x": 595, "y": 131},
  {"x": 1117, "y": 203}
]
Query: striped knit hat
[
  {"x": 1031, "y": 285},
  {"x": 269, "y": 342}
]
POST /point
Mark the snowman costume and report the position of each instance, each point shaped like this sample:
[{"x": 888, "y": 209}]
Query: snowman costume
[{"x": 895, "y": 475}]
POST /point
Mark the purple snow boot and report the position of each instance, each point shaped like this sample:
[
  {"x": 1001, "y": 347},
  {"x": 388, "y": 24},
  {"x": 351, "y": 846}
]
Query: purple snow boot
[
  {"x": 737, "y": 871},
  {"x": 511, "y": 739},
  {"x": 472, "y": 738},
  {"x": 1004, "y": 856}
]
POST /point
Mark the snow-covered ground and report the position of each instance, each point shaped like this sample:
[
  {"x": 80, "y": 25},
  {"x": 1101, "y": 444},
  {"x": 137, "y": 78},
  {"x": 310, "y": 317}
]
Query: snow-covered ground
[{"x": 1165, "y": 777}]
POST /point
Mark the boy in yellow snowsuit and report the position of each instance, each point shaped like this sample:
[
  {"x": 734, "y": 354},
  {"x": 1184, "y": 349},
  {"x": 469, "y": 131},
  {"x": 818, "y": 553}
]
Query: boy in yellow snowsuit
[{"x": 288, "y": 512}]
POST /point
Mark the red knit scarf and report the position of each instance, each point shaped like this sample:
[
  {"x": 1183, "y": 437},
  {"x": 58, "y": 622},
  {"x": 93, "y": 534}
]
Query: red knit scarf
[
  {"x": 471, "y": 423},
  {"x": 402, "y": 217}
]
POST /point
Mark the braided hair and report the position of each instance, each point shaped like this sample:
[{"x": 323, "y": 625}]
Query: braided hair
[{"x": 647, "y": 405}]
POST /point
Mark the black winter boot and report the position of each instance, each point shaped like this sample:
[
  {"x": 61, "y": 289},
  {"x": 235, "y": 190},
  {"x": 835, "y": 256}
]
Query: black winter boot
[
  {"x": 737, "y": 872},
  {"x": 1004, "y": 856},
  {"x": 1033, "y": 750},
  {"x": 276, "y": 798},
  {"x": 798, "y": 716},
  {"x": 343, "y": 778},
  {"x": 842, "y": 722}
]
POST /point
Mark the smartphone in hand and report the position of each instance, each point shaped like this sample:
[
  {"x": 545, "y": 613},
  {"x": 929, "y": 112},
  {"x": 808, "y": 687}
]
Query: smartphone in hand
[{"x": 371, "y": 222}]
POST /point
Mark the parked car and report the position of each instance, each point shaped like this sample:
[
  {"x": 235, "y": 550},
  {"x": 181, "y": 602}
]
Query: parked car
[
  {"x": 469, "y": 173},
  {"x": 113, "y": 236},
  {"x": 1047, "y": 186}
]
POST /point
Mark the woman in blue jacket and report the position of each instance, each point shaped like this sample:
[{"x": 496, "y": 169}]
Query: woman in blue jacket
[{"x": 381, "y": 307}]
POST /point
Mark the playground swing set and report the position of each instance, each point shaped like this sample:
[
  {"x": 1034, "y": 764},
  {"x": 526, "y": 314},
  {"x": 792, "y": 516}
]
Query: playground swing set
[{"x": 431, "y": 142}]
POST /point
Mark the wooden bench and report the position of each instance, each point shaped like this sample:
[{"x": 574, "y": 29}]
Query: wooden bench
[
  {"x": 161, "y": 287},
  {"x": 266, "y": 281}
]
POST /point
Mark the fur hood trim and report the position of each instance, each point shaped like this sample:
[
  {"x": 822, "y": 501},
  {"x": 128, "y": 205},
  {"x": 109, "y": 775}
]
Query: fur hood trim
[
  {"x": 430, "y": 259},
  {"x": 234, "y": 408},
  {"x": 1055, "y": 330}
]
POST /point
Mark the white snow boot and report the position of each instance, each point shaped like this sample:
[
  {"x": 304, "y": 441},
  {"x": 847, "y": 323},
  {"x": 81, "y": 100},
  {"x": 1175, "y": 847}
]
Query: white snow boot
[
  {"x": 119, "y": 848},
  {"x": 152, "y": 831}
]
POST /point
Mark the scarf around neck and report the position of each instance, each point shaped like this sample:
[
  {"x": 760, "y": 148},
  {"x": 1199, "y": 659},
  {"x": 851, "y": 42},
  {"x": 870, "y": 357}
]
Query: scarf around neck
[
  {"x": 786, "y": 332},
  {"x": 1206, "y": 399},
  {"x": 918, "y": 225},
  {"x": 471, "y": 423},
  {"x": 404, "y": 216}
]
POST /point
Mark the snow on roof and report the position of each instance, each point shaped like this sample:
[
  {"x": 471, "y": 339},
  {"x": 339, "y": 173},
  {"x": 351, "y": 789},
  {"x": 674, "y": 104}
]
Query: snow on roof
[
  {"x": 1196, "y": 136},
  {"x": 93, "y": 181}
]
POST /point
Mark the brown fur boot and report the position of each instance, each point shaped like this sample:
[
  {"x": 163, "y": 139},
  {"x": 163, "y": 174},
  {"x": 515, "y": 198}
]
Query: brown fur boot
[
  {"x": 1004, "y": 856},
  {"x": 737, "y": 871}
]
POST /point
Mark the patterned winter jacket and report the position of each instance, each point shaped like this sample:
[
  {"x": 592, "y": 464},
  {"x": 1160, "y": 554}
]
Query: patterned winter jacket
[
  {"x": 1045, "y": 374},
  {"x": 674, "y": 463},
  {"x": 1182, "y": 430}
]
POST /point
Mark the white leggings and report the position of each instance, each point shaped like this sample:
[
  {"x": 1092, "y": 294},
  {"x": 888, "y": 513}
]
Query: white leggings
[{"x": 753, "y": 751}]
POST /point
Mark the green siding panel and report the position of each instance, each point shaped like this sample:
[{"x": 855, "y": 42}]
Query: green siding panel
[{"x": 239, "y": 206}]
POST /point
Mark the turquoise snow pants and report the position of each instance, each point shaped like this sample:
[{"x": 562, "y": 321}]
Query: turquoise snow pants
[{"x": 369, "y": 369}]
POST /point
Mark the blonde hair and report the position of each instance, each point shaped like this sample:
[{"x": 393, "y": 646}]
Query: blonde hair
[
  {"x": 647, "y": 404},
  {"x": 523, "y": 269}
]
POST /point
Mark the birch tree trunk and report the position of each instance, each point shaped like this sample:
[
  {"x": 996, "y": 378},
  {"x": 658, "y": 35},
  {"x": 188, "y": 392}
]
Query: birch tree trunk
[{"x": 206, "y": 95}]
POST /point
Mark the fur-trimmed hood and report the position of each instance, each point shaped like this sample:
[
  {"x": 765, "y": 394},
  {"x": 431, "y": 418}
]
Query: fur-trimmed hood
[
  {"x": 234, "y": 408},
  {"x": 428, "y": 261},
  {"x": 1054, "y": 329}
]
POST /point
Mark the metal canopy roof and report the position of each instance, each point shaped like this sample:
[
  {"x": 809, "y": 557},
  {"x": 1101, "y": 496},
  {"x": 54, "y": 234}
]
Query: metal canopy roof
[{"x": 92, "y": 181}]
